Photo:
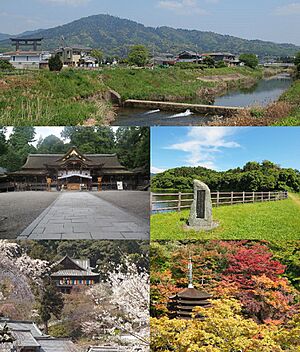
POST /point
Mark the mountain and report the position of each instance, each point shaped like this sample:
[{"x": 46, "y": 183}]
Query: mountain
[
  {"x": 4, "y": 36},
  {"x": 114, "y": 36}
]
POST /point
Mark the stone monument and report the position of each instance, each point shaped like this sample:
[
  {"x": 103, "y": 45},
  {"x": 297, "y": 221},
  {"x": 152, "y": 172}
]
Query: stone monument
[{"x": 201, "y": 211}]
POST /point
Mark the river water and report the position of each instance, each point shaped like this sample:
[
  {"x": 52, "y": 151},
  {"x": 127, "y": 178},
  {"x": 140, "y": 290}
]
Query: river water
[{"x": 263, "y": 93}]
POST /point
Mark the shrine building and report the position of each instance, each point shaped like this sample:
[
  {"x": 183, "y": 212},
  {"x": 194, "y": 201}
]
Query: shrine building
[{"x": 75, "y": 171}]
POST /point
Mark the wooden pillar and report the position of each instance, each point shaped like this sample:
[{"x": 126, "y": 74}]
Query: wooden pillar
[{"x": 179, "y": 201}]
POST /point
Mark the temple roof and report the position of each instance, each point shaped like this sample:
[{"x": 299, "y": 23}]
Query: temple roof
[
  {"x": 193, "y": 294},
  {"x": 74, "y": 267}
]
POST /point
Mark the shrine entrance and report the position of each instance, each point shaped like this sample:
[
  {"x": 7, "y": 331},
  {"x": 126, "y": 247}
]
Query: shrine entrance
[{"x": 75, "y": 182}]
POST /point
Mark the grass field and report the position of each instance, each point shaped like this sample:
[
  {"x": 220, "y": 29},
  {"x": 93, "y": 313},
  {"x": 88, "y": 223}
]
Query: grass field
[
  {"x": 50, "y": 98},
  {"x": 262, "y": 221},
  {"x": 175, "y": 84}
]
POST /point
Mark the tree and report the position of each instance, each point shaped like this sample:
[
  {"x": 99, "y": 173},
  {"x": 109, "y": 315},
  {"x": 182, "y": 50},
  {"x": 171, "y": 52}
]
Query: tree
[
  {"x": 6, "y": 66},
  {"x": 209, "y": 62},
  {"x": 249, "y": 60},
  {"x": 91, "y": 139},
  {"x": 224, "y": 329},
  {"x": 52, "y": 145},
  {"x": 97, "y": 54},
  {"x": 138, "y": 55},
  {"x": 121, "y": 305},
  {"x": 51, "y": 303},
  {"x": 55, "y": 63},
  {"x": 3, "y": 144}
]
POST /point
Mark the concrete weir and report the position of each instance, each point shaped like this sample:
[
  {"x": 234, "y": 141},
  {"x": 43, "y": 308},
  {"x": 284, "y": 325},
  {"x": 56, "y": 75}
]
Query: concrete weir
[{"x": 209, "y": 110}]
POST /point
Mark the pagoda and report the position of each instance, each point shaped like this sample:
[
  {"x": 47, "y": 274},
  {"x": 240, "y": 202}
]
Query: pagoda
[{"x": 182, "y": 305}]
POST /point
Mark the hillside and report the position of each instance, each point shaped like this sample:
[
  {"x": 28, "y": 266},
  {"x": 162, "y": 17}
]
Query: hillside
[
  {"x": 114, "y": 35},
  {"x": 4, "y": 36},
  {"x": 252, "y": 177}
]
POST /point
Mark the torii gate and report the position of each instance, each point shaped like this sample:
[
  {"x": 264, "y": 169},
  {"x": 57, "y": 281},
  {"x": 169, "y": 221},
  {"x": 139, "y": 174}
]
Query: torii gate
[{"x": 34, "y": 42}]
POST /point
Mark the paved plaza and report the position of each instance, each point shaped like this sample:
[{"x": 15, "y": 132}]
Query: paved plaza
[
  {"x": 85, "y": 216},
  {"x": 75, "y": 215}
]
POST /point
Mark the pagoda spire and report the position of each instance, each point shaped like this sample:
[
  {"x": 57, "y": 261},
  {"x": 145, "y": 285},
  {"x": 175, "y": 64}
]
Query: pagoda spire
[{"x": 191, "y": 284}]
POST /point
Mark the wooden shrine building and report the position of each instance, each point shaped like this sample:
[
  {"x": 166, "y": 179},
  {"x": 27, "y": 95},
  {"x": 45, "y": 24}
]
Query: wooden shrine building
[
  {"x": 71, "y": 273},
  {"x": 182, "y": 305},
  {"x": 75, "y": 171}
]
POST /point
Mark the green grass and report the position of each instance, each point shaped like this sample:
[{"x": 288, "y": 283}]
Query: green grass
[
  {"x": 292, "y": 96},
  {"x": 261, "y": 221},
  {"x": 169, "y": 84},
  {"x": 49, "y": 98}
]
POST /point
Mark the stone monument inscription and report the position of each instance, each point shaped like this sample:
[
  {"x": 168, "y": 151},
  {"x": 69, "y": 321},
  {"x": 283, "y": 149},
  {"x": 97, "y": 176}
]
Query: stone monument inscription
[{"x": 201, "y": 204}]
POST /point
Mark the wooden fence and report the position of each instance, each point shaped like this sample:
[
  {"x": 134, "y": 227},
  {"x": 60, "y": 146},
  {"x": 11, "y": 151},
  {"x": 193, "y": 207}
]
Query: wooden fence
[{"x": 162, "y": 202}]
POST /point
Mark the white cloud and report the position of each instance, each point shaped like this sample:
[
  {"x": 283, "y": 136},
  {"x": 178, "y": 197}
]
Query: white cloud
[
  {"x": 67, "y": 2},
  {"x": 288, "y": 10},
  {"x": 156, "y": 170},
  {"x": 182, "y": 7},
  {"x": 203, "y": 143}
]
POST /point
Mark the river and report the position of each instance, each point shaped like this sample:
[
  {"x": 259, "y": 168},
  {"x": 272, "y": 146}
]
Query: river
[{"x": 263, "y": 93}]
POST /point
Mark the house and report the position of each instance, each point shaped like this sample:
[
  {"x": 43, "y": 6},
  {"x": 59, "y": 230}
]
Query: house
[
  {"x": 33, "y": 60},
  {"x": 75, "y": 171},
  {"x": 71, "y": 273},
  {"x": 189, "y": 57},
  {"x": 29, "y": 338},
  {"x": 228, "y": 58},
  {"x": 73, "y": 55}
]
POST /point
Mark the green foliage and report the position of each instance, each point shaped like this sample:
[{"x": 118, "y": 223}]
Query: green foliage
[
  {"x": 139, "y": 155},
  {"x": 55, "y": 63},
  {"x": 51, "y": 302},
  {"x": 97, "y": 54},
  {"x": 138, "y": 55},
  {"x": 6, "y": 66},
  {"x": 45, "y": 98},
  {"x": 272, "y": 221},
  {"x": 253, "y": 177},
  {"x": 297, "y": 59},
  {"x": 249, "y": 60},
  {"x": 209, "y": 62}
]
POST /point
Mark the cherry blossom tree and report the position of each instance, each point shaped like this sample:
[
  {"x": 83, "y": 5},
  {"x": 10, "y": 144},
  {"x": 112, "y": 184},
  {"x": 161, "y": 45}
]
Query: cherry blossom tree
[{"x": 121, "y": 304}]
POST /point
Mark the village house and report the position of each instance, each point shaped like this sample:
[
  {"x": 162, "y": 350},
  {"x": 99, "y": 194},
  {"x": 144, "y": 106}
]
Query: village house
[
  {"x": 29, "y": 338},
  {"x": 228, "y": 58},
  {"x": 189, "y": 57},
  {"x": 75, "y": 171},
  {"x": 73, "y": 56},
  {"x": 71, "y": 273}
]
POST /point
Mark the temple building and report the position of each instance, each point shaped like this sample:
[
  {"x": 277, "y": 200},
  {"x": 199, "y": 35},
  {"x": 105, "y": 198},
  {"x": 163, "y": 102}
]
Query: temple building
[
  {"x": 75, "y": 171},
  {"x": 182, "y": 305},
  {"x": 27, "y": 337},
  {"x": 71, "y": 273}
]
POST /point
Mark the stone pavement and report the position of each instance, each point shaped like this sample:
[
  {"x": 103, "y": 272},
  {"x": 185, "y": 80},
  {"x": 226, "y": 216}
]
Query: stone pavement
[{"x": 81, "y": 216}]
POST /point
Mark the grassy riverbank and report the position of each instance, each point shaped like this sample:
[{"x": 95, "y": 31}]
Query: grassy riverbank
[
  {"x": 261, "y": 221},
  {"x": 179, "y": 85},
  {"x": 292, "y": 98},
  {"x": 49, "y": 98},
  {"x": 74, "y": 97}
]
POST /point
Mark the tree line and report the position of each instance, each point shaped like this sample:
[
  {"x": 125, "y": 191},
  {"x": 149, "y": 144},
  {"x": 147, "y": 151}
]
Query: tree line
[
  {"x": 132, "y": 145},
  {"x": 253, "y": 177}
]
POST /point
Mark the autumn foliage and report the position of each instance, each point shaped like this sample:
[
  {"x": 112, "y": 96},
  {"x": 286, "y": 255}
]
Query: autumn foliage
[{"x": 255, "y": 305}]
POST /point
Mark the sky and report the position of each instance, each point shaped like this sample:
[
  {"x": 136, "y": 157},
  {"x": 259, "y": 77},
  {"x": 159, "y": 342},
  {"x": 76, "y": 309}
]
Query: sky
[
  {"x": 223, "y": 148},
  {"x": 274, "y": 20}
]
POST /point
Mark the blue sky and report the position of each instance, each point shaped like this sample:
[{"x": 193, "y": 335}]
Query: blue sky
[
  {"x": 275, "y": 20},
  {"x": 223, "y": 148}
]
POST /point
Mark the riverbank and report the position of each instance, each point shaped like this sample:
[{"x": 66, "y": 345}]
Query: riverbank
[
  {"x": 179, "y": 85},
  {"x": 284, "y": 112},
  {"x": 48, "y": 98}
]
